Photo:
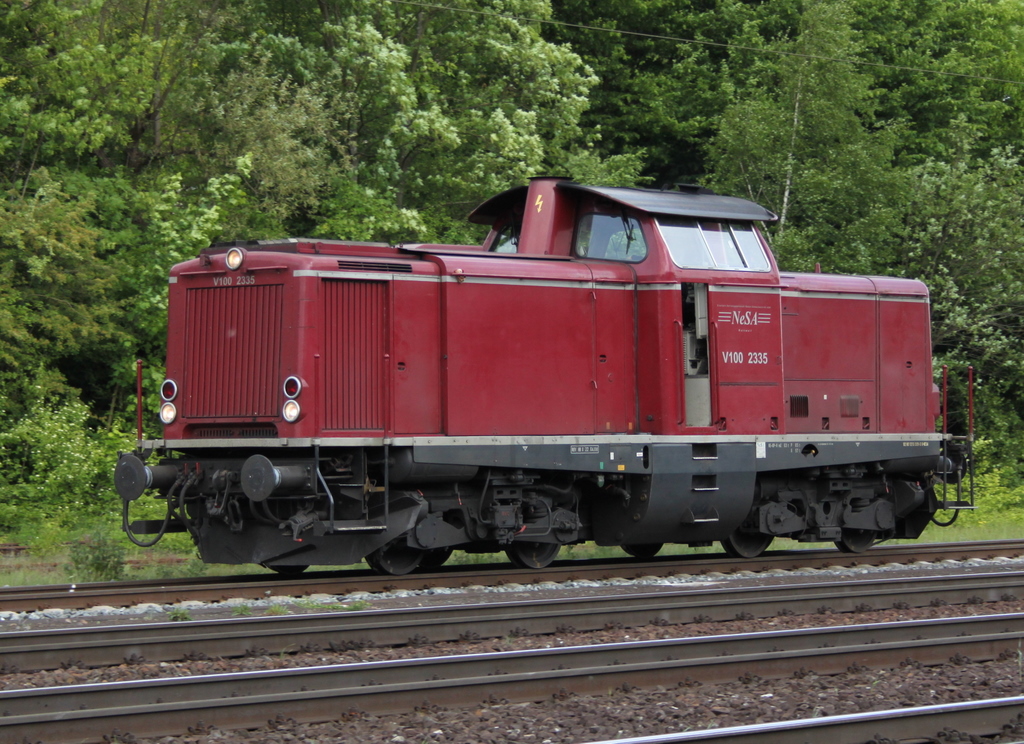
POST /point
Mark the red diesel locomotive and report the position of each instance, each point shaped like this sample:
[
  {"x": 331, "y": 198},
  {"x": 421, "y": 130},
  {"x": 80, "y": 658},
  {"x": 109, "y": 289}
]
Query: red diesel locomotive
[{"x": 625, "y": 366}]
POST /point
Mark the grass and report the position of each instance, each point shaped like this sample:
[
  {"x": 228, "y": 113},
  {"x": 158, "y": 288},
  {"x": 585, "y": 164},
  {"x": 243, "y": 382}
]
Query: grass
[{"x": 55, "y": 567}]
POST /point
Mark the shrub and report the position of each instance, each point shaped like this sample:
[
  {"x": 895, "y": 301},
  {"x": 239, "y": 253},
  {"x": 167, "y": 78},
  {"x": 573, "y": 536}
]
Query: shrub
[
  {"x": 56, "y": 467},
  {"x": 97, "y": 557}
]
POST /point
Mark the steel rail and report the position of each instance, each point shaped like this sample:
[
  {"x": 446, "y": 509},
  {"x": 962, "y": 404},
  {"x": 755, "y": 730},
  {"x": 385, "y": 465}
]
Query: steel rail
[
  {"x": 233, "y": 637},
  {"x": 72, "y": 596},
  {"x": 157, "y": 707},
  {"x": 924, "y": 723}
]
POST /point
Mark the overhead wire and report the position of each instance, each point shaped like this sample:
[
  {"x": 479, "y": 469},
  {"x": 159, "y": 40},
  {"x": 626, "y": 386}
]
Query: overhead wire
[{"x": 702, "y": 42}]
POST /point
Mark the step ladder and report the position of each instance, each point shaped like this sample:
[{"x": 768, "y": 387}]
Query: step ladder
[{"x": 958, "y": 452}]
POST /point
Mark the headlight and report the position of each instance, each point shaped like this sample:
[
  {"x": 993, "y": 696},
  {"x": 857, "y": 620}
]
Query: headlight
[
  {"x": 169, "y": 390},
  {"x": 291, "y": 411},
  {"x": 168, "y": 413},
  {"x": 292, "y": 387},
  {"x": 235, "y": 258}
]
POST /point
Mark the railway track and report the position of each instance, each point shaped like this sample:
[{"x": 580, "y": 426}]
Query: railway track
[
  {"x": 70, "y": 596},
  {"x": 235, "y": 637},
  {"x": 921, "y": 724},
  {"x": 157, "y": 707}
]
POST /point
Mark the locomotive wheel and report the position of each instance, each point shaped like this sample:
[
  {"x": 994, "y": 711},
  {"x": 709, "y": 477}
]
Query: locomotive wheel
[
  {"x": 746, "y": 544},
  {"x": 855, "y": 541},
  {"x": 644, "y": 550},
  {"x": 435, "y": 558},
  {"x": 397, "y": 558},
  {"x": 532, "y": 554},
  {"x": 288, "y": 570}
]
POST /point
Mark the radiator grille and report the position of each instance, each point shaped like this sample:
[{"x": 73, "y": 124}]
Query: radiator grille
[
  {"x": 233, "y": 349},
  {"x": 233, "y": 432},
  {"x": 355, "y": 323}
]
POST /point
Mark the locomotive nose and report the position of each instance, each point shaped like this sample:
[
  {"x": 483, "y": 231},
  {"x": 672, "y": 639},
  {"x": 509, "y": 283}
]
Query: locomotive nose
[{"x": 260, "y": 477}]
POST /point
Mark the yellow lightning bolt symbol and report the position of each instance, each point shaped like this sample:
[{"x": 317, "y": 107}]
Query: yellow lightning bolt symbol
[{"x": 540, "y": 202}]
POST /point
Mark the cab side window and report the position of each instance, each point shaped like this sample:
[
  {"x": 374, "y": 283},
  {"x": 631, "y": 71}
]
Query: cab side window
[
  {"x": 614, "y": 237},
  {"x": 507, "y": 239}
]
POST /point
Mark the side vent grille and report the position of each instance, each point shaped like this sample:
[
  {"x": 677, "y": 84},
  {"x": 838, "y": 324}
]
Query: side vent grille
[
  {"x": 798, "y": 406},
  {"x": 394, "y": 268}
]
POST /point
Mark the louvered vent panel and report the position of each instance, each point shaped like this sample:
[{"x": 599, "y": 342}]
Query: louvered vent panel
[
  {"x": 233, "y": 348},
  {"x": 402, "y": 268},
  {"x": 354, "y": 326}
]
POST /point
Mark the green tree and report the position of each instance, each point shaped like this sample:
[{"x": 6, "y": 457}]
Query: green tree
[
  {"x": 90, "y": 84},
  {"x": 961, "y": 235},
  {"x": 655, "y": 94},
  {"x": 57, "y": 302},
  {"x": 804, "y": 143},
  {"x": 975, "y": 46},
  {"x": 448, "y": 107}
]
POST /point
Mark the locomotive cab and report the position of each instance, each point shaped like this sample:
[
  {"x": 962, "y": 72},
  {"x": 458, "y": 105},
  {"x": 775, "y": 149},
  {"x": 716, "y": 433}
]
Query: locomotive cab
[{"x": 625, "y": 366}]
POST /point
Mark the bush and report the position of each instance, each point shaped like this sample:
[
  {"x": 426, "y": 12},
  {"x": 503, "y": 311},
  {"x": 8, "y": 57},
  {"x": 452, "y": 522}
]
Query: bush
[
  {"x": 97, "y": 557},
  {"x": 56, "y": 466},
  {"x": 997, "y": 486}
]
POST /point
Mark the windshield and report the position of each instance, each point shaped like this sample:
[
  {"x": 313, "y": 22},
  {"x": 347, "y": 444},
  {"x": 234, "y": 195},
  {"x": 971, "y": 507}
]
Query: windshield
[{"x": 706, "y": 244}]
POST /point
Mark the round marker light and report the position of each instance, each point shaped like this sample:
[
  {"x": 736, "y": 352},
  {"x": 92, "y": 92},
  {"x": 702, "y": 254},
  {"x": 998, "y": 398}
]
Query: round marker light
[
  {"x": 169, "y": 390},
  {"x": 290, "y": 411},
  {"x": 235, "y": 258},
  {"x": 292, "y": 387},
  {"x": 168, "y": 413}
]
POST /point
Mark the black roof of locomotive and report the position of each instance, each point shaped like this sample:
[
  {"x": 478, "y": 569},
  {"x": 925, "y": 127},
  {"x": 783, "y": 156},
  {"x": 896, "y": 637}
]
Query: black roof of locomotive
[{"x": 687, "y": 201}]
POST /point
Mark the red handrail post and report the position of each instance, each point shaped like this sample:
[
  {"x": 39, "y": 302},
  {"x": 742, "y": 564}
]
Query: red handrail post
[
  {"x": 970, "y": 402},
  {"x": 945, "y": 399}
]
